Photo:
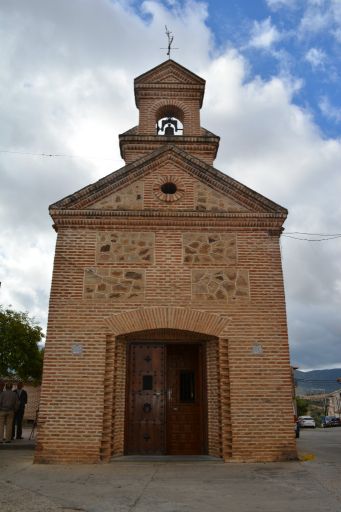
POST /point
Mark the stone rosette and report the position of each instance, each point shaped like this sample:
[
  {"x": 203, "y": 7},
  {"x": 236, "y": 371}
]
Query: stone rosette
[{"x": 168, "y": 198}]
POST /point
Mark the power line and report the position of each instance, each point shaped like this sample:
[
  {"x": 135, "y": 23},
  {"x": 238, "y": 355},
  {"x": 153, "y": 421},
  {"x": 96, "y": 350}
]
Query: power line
[
  {"x": 328, "y": 237},
  {"x": 312, "y": 234},
  {"x": 321, "y": 381},
  {"x": 54, "y": 155}
]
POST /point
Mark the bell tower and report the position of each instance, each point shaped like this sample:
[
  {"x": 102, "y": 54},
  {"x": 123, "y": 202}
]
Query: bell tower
[{"x": 169, "y": 98}]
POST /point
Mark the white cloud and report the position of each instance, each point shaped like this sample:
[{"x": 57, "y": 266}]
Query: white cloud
[
  {"x": 315, "y": 20},
  {"x": 328, "y": 110},
  {"x": 67, "y": 88},
  {"x": 321, "y": 16},
  {"x": 273, "y": 146},
  {"x": 67, "y": 73},
  {"x": 337, "y": 34},
  {"x": 278, "y": 4},
  {"x": 264, "y": 34},
  {"x": 26, "y": 268},
  {"x": 316, "y": 57},
  {"x": 317, "y": 16}
]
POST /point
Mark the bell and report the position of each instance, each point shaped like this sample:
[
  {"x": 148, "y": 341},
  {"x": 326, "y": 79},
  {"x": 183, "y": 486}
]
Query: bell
[{"x": 169, "y": 130}]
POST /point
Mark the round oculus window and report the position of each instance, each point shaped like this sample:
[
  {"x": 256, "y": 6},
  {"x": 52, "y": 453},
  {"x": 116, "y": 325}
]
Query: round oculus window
[{"x": 168, "y": 189}]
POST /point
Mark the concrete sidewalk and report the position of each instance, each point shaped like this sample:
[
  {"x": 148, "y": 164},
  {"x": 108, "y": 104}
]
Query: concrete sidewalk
[
  {"x": 27, "y": 443},
  {"x": 208, "y": 486}
]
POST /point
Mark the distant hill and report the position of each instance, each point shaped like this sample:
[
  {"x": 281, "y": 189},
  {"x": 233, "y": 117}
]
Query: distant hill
[{"x": 317, "y": 381}]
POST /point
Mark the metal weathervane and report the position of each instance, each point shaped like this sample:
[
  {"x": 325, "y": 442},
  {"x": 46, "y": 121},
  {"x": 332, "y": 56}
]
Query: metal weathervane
[{"x": 170, "y": 41}]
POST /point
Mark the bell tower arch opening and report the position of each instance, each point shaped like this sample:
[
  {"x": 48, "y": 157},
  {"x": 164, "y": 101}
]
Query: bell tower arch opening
[{"x": 169, "y": 121}]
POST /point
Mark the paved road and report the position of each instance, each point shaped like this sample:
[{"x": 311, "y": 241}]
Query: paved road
[
  {"x": 325, "y": 468},
  {"x": 311, "y": 486}
]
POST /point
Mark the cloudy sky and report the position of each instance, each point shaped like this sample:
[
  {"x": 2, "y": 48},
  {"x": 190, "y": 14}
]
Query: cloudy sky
[{"x": 272, "y": 69}]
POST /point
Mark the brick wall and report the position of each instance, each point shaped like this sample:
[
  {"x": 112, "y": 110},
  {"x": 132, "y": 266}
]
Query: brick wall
[{"x": 254, "y": 387}]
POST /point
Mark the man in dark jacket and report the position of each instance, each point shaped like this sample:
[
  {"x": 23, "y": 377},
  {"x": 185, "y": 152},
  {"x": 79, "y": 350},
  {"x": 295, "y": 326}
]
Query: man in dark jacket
[
  {"x": 9, "y": 404},
  {"x": 19, "y": 415}
]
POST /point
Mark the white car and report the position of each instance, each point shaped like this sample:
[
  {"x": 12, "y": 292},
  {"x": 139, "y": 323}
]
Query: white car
[{"x": 306, "y": 421}]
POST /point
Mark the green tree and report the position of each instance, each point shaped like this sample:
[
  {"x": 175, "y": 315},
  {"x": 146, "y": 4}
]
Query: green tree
[
  {"x": 20, "y": 354},
  {"x": 302, "y": 406}
]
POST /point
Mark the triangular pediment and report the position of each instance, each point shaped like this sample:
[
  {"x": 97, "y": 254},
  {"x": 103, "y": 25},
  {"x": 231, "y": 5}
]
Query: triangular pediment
[
  {"x": 126, "y": 189},
  {"x": 169, "y": 72}
]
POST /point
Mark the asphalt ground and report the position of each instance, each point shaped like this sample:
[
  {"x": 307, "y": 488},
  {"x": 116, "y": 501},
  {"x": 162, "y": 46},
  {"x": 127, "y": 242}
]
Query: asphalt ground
[{"x": 310, "y": 485}]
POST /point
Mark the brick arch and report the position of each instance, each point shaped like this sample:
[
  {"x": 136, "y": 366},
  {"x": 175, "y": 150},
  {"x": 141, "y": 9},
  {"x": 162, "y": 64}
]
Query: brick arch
[
  {"x": 179, "y": 109},
  {"x": 173, "y": 110},
  {"x": 167, "y": 318}
]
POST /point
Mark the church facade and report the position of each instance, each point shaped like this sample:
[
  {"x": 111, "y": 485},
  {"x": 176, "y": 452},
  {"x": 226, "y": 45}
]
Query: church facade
[{"x": 167, "y": 330}]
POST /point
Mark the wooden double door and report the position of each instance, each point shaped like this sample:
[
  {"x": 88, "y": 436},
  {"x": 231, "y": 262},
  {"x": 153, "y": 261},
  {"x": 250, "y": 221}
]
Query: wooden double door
[{"x": 166, "y": 411}]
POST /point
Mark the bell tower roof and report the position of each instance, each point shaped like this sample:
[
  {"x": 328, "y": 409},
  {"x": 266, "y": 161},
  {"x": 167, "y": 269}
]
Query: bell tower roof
[{"x": 169, "y": 75}]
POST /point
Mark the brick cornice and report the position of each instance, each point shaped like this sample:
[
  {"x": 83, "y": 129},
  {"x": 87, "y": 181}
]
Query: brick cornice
[
  {"x": 168, "y": 91},
  {"x": 182, "y": 139},
  {"x": 174, "y": 219},
  {"x": 149, "y": 89},
  {"x": 148, "y": 143}
]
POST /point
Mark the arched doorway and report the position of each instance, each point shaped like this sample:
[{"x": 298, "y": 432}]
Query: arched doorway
[
  {"x": 166, "y": 394},
  {"x": 169, "y": 327}
]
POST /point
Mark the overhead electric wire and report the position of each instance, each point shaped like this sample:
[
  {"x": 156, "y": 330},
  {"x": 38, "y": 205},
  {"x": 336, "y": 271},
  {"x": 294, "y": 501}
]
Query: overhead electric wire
[
  {"x": 312, "y": 234},
  {"x": 53, "y": 155},
  {"x": 328, "y": 237},
  {"x": 315, "y": 380}
]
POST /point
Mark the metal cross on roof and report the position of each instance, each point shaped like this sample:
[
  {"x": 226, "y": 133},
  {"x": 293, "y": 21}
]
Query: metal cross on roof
[{"x": 170, "y": 41}]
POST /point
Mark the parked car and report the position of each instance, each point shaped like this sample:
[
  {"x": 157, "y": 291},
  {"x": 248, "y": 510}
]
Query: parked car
[
  {"x": 330, "y": 421},
  {"x": 306, "y": 422}
]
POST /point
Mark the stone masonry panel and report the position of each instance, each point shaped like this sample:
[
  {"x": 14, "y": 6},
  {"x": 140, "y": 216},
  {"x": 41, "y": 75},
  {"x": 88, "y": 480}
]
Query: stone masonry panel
[
  {"x": 220, "y": 284},
  {"x": 123, "y": 247},
  {"x": 207, "y": 199},
  {"x": 210, "y": 249},
  {"x": 114, "y": 284},
  {"x": 129, "y": 198}
]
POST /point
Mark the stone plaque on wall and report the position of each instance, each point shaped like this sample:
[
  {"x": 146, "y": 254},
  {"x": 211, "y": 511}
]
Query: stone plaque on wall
[
  {"x": 206, "y": 248},
  {"x": 114, "y": 284},
  {"x": 220, "y": 284},
  {"x": 125, "y": 247}
]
